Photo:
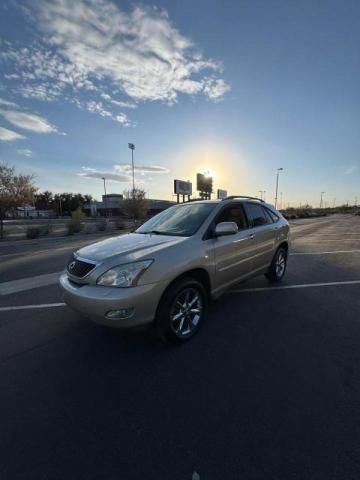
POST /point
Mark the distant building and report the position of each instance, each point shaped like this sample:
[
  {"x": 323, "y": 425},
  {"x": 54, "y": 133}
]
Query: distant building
[
  {"x": 112, "y": 206},
  {"x": 29, "y": 211}
]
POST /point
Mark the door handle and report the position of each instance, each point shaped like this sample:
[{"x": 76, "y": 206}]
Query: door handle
[{"x": 251, "y": 236}]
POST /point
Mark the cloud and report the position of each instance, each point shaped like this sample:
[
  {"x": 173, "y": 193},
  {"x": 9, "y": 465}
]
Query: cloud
[
  {"x": 98, "y": 108},
  {"x": 28, "y": 121},
  {"x": 113, "y": 176},
  {"x": 26, "y": 152},
  {"x": 114, "y": 57},
  {"x": 141, "y": 169},
  {"x": 42, "y": 91},
  {"x": 351, "y": 170},
  {"x": 122, "y": 173},
  {"x": 215, "y": 89},
  {"x": 9, "y": 135},
  {"x": 6, "y": 103}
]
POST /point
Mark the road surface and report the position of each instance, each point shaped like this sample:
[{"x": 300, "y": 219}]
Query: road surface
[{"x": 269, "y": 389}]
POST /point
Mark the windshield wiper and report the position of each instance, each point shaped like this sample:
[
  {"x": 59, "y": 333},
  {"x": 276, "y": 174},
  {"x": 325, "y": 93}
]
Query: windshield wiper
[{"x": 158, "y": 232}]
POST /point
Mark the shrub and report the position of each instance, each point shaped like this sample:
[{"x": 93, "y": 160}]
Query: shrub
[
  {"x": 45, "y": 230},
  {"x": 89, "y": 228},
  {"x": 78, "y": 215},
  {"x": 73, "y": 226},
  {"x": 101, "y": 225},
  {"x": 119, "y": 224},
  {"x": 33, "y": 232}
]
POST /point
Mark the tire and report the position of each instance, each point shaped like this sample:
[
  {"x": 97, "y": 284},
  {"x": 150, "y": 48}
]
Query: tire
[
  {"x": 278, "y": 266},
  {"x": 176, "y": 321}
]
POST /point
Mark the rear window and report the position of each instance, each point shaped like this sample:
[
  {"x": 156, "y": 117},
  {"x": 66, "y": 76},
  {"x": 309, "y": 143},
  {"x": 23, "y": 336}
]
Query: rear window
[
  {"x": 273, "y": 216},
  {"x": 256, "y": 215}
]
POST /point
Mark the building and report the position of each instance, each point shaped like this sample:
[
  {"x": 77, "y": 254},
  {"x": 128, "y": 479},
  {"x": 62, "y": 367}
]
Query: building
[
  {"x": 112, "y": 206},
  {"x": 29, "y": 211}
]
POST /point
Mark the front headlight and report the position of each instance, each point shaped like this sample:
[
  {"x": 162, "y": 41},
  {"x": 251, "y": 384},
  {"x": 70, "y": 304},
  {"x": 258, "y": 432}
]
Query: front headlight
[{"x": 124, "y": 275}]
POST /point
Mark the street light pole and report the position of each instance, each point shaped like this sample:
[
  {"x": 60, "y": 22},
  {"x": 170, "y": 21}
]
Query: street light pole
[
  {"x": 105, "y": 199},
  {"x": 132, "y": 148},
  {"x": 277, "y": 184},
  {"x": 321, "y": 199},
  {"x": 261, "y": 194}
]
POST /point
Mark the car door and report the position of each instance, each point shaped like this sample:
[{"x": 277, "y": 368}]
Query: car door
[
  {"x": 262, "y": 229},
  {"x": 232, "y": 253}
]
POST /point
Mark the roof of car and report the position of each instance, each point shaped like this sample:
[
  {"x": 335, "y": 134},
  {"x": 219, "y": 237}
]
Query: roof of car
[{"x": 227, "y": 199}]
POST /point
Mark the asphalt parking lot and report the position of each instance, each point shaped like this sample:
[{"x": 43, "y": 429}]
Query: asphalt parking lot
[{"x": 269, "y": 389}]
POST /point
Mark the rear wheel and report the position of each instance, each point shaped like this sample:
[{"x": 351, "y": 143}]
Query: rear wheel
[
  {"x": 182, "y": 310},
  {"x": 278, "y": 266}
]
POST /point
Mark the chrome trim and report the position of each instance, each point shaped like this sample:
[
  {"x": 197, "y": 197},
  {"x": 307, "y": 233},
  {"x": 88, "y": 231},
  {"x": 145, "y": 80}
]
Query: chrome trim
[{"x": 85, "y": 260}]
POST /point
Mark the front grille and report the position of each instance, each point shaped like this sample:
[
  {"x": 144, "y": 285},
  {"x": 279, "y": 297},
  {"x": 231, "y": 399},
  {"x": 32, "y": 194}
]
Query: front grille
[{"x": 79, "y": 268}]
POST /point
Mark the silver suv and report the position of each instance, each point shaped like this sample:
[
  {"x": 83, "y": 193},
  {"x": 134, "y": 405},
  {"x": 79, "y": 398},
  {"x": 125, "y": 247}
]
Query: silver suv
[{"x": 168, "y": 270}]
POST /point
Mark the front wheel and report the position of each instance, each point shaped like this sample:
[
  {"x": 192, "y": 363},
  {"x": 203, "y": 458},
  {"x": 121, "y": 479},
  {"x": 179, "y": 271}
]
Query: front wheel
[
  {"x": 182, "y": 310},
  {"x": 278, "y": 266}
]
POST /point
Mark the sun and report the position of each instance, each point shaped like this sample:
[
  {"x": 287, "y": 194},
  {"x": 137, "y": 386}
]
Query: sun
[{"x": 208, "y": 172}]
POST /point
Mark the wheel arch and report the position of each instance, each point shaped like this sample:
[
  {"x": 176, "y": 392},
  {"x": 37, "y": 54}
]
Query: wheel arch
[
  {"x": 199, "y": 274},
  {"x": 284, "y": 245}
]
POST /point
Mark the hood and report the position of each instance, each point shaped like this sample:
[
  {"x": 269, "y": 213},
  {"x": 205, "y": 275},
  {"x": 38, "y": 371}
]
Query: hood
[{"x": 135, "y": 244}]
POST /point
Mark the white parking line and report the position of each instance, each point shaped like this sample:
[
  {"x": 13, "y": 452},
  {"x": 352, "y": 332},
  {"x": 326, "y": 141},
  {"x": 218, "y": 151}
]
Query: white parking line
[
  {"x": 321, "y": 240},
  {"x": 288, "y": 287},
  {"x": 30, "y": 307},
  {"x": 15, "y": 286},
  {"x": 326, "y": 234},
  {"x": 324, "y": 253}
]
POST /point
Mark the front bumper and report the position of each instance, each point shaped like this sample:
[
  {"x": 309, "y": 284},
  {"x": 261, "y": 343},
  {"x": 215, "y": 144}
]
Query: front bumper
[{"x": 95, "y": 301}]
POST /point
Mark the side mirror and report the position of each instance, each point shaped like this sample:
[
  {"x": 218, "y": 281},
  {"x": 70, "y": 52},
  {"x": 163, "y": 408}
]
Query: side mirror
[{"x": 226, "y": 228}]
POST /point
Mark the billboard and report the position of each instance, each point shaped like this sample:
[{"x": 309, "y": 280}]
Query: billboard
[
  {"x": 182, "y": 188},
  {"x": 221, "y": 194},
  {"x": 204, "y": 183}
]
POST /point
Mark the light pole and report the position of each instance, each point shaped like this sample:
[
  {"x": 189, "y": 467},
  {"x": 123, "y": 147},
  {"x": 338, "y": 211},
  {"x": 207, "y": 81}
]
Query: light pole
[
  {"x": 132, "y": 148},
  {"x": 321, "y": 199},
  {"x": 280, "y": 206},
  {"x": 261, "y": 194},
  {"x": 105, "y": 199},
  {"x": 277, "y": 184}
]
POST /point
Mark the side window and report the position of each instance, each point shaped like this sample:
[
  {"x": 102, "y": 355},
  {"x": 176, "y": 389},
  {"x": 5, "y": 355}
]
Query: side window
[
  {"x": 273, "y": 216},
  {"x": 233, "y": 213},
  {"x": 256, "y": 215}
]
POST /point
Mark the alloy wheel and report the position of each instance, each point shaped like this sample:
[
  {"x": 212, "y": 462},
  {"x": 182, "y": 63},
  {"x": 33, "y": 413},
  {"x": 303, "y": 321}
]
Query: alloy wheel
[
  {"x": 280, "y": 264},
  {"x": 186, "y": 311}
]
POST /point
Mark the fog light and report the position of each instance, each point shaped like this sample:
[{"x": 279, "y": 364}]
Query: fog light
[{"x": 119, "y": 314}]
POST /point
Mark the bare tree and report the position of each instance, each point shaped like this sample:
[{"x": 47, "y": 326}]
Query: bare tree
[
  {"x": 14, "y": 190},
  {"x": 136, "y": 205}
]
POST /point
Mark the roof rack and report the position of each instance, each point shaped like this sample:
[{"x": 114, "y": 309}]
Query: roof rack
[{"x": 232, "y": 197}]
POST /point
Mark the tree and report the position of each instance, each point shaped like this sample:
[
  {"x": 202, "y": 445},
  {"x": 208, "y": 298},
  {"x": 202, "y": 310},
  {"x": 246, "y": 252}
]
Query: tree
[
  {"x": 14, "y": 190},
  {"x": 44, "y": 200},
  {"x": 135, "y": 204},
  {"x": 70, "y": 202}
]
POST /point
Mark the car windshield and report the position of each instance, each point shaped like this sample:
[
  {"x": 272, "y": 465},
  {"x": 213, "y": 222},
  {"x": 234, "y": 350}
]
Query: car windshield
[{"x": 183, "y": 220}]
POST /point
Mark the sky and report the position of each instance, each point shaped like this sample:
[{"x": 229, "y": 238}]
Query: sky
[{"x": 237, "y": 88}]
